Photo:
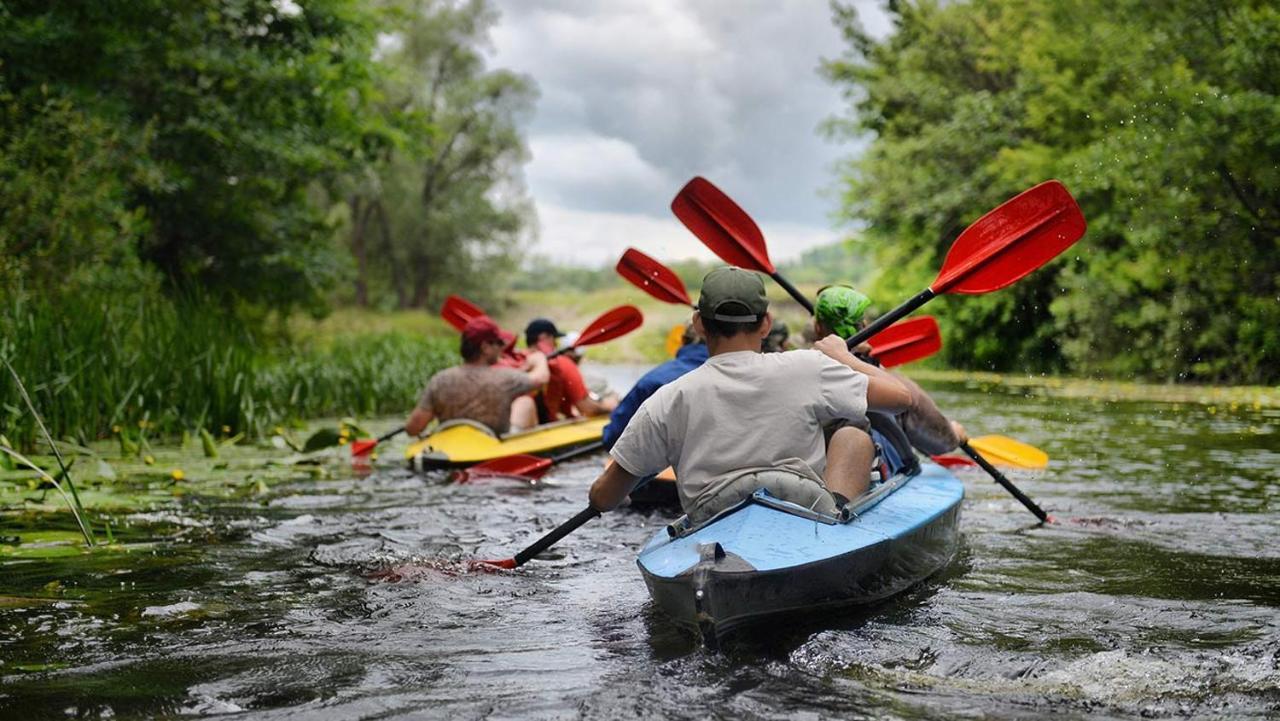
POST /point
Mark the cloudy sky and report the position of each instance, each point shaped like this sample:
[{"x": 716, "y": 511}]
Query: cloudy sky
[{"x": 637, "y": 96}]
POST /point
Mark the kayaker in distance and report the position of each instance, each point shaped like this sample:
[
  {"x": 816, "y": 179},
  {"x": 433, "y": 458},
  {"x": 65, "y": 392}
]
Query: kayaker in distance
[
  {"x": 565, "y": 394},
  {"x": 692, "y": 353},
  {"x": 746, "y": 420},
  {"x": 479, "y": 389},
  {"x": 778, "y": 339},
  {"x": 841, "y": 310}
]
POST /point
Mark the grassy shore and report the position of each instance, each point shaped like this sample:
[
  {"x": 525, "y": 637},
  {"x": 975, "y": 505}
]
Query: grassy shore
[
  {"x": 574, "y": 310},
  {"x": 157, "y": 367}
]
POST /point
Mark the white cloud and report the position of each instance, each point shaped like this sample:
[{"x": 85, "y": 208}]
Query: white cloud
[
  {"x": 637, "y": 96},
  {"x": 566, "y": 167},
  {"x": 596, "y": 238}
]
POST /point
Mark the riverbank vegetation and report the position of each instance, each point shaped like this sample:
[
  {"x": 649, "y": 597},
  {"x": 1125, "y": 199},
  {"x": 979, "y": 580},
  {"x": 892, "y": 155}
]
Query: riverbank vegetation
[
  {"x": 175, "y": 366},
  {"x": 182, "y": 182},
  {"x": 1162, "y": 119}
]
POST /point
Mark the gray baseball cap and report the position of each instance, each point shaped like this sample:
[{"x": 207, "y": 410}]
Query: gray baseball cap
[{"x": 733, "y": 295}]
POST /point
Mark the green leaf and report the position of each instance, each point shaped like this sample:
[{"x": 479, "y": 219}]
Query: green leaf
[{"x": 321, "y": 439}]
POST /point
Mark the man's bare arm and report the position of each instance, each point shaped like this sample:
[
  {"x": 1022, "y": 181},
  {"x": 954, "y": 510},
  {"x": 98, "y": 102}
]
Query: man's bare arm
[
  {"x": 926, "y": 427},
  {"x": 417, "y": 421},
  {"x": 611, "y": 488},
  {"x": 591, "y": 407},
  {"x": 885, "y": 391},
  {"x": 536, "y": 368}
]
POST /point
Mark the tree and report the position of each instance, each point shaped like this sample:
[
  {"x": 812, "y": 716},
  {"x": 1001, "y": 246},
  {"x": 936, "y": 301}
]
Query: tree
[
  {"x": 204, "y": 126},
  {"x": 1162, "y": 119},
  {"x": 446, "y": 207}
]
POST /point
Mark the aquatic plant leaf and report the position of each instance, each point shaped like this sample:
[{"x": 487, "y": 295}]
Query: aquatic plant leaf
[
  {"x": 208, "y": 444},
  {"x": 6, "y": 463},
  {"x": 321, "y": 439}
]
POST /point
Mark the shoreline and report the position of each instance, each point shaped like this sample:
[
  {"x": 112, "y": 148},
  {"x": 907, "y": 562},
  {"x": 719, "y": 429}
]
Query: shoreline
[{"x": 1233, "y": 397}]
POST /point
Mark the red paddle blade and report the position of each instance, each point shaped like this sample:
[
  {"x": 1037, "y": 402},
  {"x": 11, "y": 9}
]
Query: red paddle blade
[
  {"x": 519, "y": 465},
  {"x": 906, "y": 341},
  {"x": 652, "y": 277},
  {"x": 1001, "y": 247},
  {"x": 457, "y": 311},
  {"x": 953, "y": 461},
  {"x": 362, "y": 447},
  {"x": 506, "y": 563},
  {"x": 721, "y": 225},
  {"x": 613, "y": 324}
]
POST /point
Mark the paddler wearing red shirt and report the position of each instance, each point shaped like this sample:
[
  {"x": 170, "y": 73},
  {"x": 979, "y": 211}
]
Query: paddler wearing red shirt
[{"x": 565, "y": 394}]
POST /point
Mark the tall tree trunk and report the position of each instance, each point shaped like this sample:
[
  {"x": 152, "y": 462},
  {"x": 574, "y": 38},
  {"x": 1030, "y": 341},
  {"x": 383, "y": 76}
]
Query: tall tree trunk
[
  {"x": 359, "y": 224},
  {"x": 421, "y": 281}
]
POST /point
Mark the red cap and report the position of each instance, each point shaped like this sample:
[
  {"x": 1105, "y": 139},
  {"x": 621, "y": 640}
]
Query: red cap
[{"x": 480, "y": 329}]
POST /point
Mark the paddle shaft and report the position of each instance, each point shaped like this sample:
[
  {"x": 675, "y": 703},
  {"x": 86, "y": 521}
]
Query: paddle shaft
[
  {"x": 552, "y": 538},
  {"x": 793, "y": 291},
  {"x": 891, "y": 317},
  {"x": 1008, "y": 485},
  {"x": 579, "y": 451},
  {"x": 392, "y": 434}
]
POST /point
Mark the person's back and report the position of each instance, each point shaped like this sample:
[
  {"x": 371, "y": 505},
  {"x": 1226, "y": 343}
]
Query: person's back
[
  {"x": 479, "y": 389},
  {"x": 690, "y": 356},
  {"x": 744, "y": 410},
  {"x": 479, "y": 393},
  {"x": 744, "y": 422}
]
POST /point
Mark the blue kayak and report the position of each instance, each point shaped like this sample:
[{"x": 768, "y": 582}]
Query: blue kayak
[{"x": 766, "y": 556}]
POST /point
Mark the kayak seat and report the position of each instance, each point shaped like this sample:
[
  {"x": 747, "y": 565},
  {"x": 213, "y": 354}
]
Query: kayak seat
[
  {"x": 477, "y": 425},
  {"x": 683, "y": 525}
]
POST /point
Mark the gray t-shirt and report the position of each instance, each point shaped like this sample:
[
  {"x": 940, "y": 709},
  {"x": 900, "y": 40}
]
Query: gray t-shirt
[
  {"x": 741, "y": 410},
  {"x": 479, "y": 393}
]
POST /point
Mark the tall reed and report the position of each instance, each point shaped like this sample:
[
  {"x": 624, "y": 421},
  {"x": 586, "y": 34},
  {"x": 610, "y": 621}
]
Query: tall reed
[{"x": 95, "y": 363}]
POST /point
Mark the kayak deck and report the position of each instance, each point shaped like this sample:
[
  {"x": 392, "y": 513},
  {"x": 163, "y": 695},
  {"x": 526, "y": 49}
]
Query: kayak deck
[
  {"x": 465, "y": 444},
  {"x": 767, "y": 557}
]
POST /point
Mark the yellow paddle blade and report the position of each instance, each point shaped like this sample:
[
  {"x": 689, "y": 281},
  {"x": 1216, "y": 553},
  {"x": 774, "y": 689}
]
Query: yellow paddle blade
[
  {"x": 675, "y": 339},
  {"x": 1002, "y": 449}
]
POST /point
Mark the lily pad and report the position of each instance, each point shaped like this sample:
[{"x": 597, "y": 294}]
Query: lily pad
[{"x": 321, "y": 439}]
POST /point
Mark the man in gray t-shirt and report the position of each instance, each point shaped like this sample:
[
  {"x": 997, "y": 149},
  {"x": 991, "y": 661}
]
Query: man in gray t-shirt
[
  {"x": 744, "y": 410},
  {"x": 478, "y": 390}
]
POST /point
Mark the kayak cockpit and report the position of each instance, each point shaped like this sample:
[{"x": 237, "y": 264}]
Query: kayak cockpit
[{"x": 766, "y": 556}]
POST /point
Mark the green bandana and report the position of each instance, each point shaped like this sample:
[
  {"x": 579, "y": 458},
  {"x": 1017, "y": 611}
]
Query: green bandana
[{"x": 840, "y": 308}]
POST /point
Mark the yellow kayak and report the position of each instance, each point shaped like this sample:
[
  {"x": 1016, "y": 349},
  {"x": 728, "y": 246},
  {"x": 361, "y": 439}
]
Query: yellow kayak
[{"x": 463, "y": 443}]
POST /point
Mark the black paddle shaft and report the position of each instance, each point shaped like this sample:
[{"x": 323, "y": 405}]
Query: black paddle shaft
[
  {"x": 1008, "y": 485},
  {"x": 560, "y": 531},
  {"x": 795, "y": 293},
  {"x": 891, "y": 317},
  {"x": 392, "y": 434},
  {"x": 579, "y": 451}
]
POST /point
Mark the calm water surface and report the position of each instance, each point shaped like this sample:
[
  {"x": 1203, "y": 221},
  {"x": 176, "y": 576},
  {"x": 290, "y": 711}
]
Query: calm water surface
[{"x": 1159, "y": 598}]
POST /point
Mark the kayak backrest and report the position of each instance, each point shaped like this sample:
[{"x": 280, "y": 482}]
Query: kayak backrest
[
  {"x": 466, "y": 423},
  {"x": 683, "y": 526}
]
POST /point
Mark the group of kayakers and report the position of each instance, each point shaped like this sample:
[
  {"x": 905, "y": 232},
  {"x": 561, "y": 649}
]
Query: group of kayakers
[
  {"x": 506, "y": 389},
  {"x": 815, "y": 427}
]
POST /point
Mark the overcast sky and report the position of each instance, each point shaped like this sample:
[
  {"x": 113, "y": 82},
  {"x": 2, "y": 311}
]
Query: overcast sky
[{"x": 638, "y": 96}]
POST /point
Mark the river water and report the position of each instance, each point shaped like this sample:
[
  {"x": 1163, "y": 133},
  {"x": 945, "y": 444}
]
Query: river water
[{"x": 1157, "y": 597}]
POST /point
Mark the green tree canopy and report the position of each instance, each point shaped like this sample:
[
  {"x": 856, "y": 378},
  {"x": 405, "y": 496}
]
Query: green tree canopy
[
  {"x": 1163, "y": 119},
  {"x": 183, "y": 134},
  {"x": 444, "y": 209}
]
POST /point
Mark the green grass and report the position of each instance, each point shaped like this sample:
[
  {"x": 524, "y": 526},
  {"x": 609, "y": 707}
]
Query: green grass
[{"x": 95, "y": 365}]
